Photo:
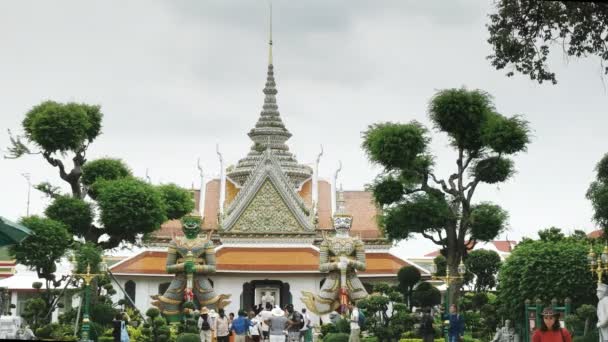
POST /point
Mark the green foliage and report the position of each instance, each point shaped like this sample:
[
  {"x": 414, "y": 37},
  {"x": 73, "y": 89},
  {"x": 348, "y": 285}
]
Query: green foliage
[
  {"x": 484, "y": 264},
  {"x": 336, "y": 337},
  {"x": 506, "y": 135},
  {"x": 75, "y": 213},
  {"x": 34, "y": 312},
  {"x": 601, "y": 169},
  {"x": 426, "y": 295},
  {"x": 395, "y": 146},
  {"x": 328, "y": 328},
  {"x": 388, "y": 190},
  {"x": 188, "y": 337},
  {"x": 592, "y": 336},
  {"x": 420, "y": 213},
  {"x": 408, "y": 277},
  {"x": 598, "y": 194},
  {"x": 88, "y": 254},
  {"x": 153, "y": 312},
  {"x": 57, "y": 332},
  {"x": 57, "y": 127},
  {"x": 42, "y": 249},
  {"x": 103, "y": 314},
  {"x": 343, "y": 326},
  {"x": 551, "y": 234},
  {"x": 442, "y": 265},
  {"x": 523, "y": 32},
  {"x": 104, "y": 169},
  {"x": 493, "y": 169},
  {"x": 130, "y": 206},
  {"x": 536, "y": 269},
  {"x": 487, "y": 221},
  {"x": 461, "y": 114},
  {"x": 178, "y": 201}
]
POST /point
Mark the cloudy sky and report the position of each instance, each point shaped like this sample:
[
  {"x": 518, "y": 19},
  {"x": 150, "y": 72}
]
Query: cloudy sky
[{"x": 174, "y": 78}]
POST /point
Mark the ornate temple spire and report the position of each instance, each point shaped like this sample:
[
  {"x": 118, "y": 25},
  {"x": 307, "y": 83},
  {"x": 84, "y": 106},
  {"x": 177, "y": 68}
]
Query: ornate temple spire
[{"x": 270, "y": 133}]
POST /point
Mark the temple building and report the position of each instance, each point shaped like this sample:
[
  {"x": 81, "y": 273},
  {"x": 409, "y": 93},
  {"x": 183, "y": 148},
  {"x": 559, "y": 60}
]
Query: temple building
[{"x": 267, "y": 216}]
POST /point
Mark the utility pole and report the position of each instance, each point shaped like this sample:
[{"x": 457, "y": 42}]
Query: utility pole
[{"x": 29, "y": 187}]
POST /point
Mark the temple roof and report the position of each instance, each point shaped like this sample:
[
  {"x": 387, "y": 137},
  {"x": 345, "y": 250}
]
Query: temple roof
[
  {"x": 267, "y": 259},
  {"x": 270, "y": 133},
  {"x": 358, "y": 203}
]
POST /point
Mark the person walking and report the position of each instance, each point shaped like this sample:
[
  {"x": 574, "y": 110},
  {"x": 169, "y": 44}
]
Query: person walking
[
  {"x": 355, "y": 329},
  {"x": 264, "y": 315},
  {"x": 277, "y": 323},
  {"x": 550, "y": 328},
  {"x": 222, "y": 324},
  {"x": 456, "y": 327},
  {"x": 255, "y": 330},
  {"x": 306, "y": 331},
  {"x": 117, "y": 327},
  {"x": 240, "y": 326},
  {"x": 294, "y": 323},
  {"x": 204, "y": 324},
  {"x": 426, "y": 326}
]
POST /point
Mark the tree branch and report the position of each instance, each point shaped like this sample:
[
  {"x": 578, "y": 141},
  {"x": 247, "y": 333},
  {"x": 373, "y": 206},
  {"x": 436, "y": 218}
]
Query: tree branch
[
  {"x": 56, "y": 163},
  {"x": 444, "y": 186},
  {"x": 430, "y": 237}
]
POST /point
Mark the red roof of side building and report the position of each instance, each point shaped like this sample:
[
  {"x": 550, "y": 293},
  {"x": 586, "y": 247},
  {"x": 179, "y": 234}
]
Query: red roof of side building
[
  {"x": 238, "y": 259},
  {"x": 596, "y": 234}
]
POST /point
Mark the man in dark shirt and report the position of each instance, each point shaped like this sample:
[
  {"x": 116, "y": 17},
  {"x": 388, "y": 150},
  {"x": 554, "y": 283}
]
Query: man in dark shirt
[{"x": 456, "y": 329}]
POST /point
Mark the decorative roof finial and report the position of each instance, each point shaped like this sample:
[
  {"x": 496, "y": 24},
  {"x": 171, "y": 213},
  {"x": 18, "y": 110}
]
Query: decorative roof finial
[{"x": 270, "y": 36}]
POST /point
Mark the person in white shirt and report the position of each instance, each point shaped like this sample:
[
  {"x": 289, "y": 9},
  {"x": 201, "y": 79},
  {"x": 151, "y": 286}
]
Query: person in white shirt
[
  {"x": 264, "y": 315},
  {"x": 355, "y": 330}
]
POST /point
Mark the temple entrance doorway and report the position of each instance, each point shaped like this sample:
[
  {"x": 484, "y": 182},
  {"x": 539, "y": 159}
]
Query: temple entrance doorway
[{"x": 258, "y": 292}]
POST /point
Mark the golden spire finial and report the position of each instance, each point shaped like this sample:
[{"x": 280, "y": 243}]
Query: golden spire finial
[{"x": 270, "y": 36}]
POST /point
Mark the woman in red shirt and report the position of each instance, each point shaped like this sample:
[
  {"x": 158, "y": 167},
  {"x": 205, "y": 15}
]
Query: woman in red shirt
[{"x": 550, "y": 329}]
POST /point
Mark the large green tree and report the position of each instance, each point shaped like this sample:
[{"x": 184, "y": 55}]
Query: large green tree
[
  {"x": 545, "y": 269},
  {"x": 598, "y": 194},
  {"x": 128, "y": 207},
  {"x": 105, "y": 206},
  {"x": 524, "y": 32},
  {"x": 484, "y": 264},
  {"x": 416, "y": 200}
]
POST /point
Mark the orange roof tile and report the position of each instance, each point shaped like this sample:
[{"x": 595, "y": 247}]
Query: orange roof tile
[
  {"x": 230, "y": 259},
  {"x": 596, "y": 234}
]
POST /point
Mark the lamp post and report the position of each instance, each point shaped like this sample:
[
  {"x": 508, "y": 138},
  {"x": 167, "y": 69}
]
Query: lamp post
[
  {"x": 448, "y": 279},
  {"x": 598, "y": 264},
  {"x": 87, "y": 277}
]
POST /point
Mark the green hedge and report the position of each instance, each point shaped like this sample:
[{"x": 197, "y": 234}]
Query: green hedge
[
  {"x": 188, "y": 337},
  {"x": 336, "y": 337}
]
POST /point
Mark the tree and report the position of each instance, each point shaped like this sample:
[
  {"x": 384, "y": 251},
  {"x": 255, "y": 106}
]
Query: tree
[
  {"x": 126, "y": 208},
  {"x": 426, "y": 295},
  {"x": 545, "y": 270},
  {"x": 416, "y": 201},
  {"x": 408, "y": 277},
  {"x": 523, "y": 32},
  {"x": 484, "y": 264},
  {"x": 129, "y": 207},
  {"x": 385, "y": 325},
  {"x": 598, "y": 194},
  {"x": 41, "y": 251}
]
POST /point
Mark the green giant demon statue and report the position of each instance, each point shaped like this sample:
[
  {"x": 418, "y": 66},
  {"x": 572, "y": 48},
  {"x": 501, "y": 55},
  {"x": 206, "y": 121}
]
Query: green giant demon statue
[{"x": 191, "y": 258}]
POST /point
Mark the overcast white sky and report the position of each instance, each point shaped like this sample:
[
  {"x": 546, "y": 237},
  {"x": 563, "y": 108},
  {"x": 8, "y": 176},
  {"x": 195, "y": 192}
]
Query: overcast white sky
[{"x": 176, "y": 77}]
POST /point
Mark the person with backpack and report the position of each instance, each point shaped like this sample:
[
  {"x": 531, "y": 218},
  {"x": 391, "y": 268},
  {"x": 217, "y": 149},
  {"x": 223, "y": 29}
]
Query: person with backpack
[
  {"x": 306, "y": 331},
  {"x": 355, "y": 329},
  {"x": 204, "y": 324},
  {"x": 550, "y": 328},
  {"x": 426, "y": 326},
  {"x": 295, "y": 322}
]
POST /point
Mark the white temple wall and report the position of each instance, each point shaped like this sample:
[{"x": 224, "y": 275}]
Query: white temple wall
[{"x": 226, "y": 283}]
